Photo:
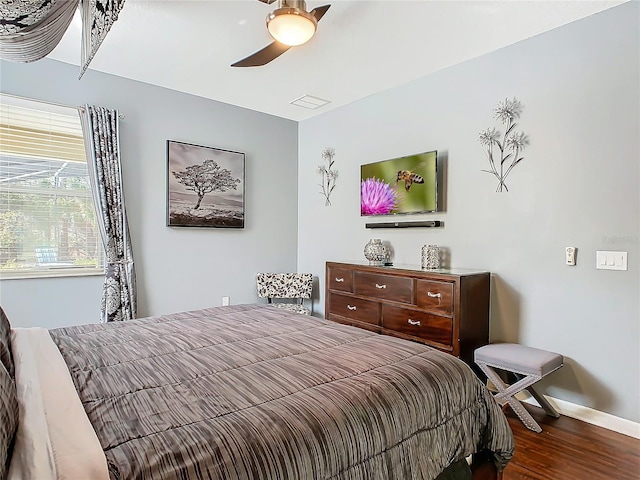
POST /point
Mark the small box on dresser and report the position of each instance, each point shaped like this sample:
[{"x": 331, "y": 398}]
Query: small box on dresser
[{"x": 446, "y": 309}]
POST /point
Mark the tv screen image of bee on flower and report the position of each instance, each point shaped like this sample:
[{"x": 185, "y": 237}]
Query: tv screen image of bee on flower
[{"x": 400, "y": 185}]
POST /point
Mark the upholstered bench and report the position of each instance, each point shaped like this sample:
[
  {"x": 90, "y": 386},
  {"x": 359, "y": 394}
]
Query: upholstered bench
[{"x": 529, "y": 364}]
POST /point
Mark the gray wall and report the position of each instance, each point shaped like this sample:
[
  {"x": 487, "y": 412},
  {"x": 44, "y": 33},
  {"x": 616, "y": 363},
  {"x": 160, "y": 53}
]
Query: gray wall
[
  {"x": 177, "y": 268},
  {"x": 577, "y": 186}
]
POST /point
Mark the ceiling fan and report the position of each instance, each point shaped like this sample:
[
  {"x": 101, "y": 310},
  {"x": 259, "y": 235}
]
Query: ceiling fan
[{"x": 290, "y": 25}]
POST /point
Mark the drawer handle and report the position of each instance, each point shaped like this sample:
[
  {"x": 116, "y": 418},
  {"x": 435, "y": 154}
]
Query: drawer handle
[
  {"x": 352, "y": 307},
  {"x": 434, "y": 295},
  {"x": 413, "y": 322},
  {"x": 380, "y": 286},
  {"x": 339, "y": 279}
]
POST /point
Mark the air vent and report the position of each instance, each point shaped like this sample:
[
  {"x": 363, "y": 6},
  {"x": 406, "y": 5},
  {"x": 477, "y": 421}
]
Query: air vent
[{"x": 310, "y": 102}]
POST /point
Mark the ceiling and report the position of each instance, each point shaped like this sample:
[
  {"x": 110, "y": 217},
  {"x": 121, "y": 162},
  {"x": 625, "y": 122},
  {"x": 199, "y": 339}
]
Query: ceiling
[{"x": 361, "y": 46}]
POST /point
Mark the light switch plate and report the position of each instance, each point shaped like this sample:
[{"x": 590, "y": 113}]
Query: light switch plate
[{"x": 610, "y": 260}]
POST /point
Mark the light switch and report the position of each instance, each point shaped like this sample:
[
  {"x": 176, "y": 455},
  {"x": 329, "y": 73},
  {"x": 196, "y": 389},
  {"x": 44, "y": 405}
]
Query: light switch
[{"x": 607, "y": 260}]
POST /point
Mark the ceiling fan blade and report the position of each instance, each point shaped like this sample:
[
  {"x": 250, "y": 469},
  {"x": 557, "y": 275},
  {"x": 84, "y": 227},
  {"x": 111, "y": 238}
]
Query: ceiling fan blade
[
  {"x": 264, "y": 56},
  {"x": 319, "y": 12},
  {"x": 274, "y": 49},
  {"x": 268, "y": 2}
]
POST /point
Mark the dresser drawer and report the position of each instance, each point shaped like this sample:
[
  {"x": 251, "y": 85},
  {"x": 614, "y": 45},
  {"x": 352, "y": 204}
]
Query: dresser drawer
[
  {"x": 356, "y": 308},
  {"x": 435, "y": 296},
  {"x": 340, "y": 279},
  {"x": 355, "y": 323},
  {"x": 386, "y": 287},
  {"x": 418, "y": 324}
]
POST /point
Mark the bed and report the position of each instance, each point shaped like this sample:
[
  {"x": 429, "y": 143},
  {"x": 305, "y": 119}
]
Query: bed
[{"x": 239, "y": 392}]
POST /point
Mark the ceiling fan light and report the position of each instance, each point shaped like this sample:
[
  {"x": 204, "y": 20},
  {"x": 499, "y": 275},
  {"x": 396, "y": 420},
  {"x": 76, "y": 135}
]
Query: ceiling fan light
[{"x": 291, "y": 26}]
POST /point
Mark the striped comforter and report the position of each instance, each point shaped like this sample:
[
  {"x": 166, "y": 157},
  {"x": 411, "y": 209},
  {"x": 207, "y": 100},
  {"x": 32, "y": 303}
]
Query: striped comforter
[{"x": 255, "y": 392}]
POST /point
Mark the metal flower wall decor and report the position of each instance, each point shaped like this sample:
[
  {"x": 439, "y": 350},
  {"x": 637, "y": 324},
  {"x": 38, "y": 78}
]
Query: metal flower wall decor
[
  {"x": 504, "y": 150},
  {"x": 329, "y": 175}
]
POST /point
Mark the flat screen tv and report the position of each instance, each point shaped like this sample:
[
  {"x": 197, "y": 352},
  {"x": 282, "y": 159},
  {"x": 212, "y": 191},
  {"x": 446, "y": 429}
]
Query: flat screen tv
[{"x": 400, "y": 185}]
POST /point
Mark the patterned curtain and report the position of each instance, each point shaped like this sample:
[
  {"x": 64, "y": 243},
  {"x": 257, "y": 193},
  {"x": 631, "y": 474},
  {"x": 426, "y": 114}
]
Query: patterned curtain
[
  {"x": 100, "y": 127},
  {"x": 31, "y": 29},
  {"x": 98, "y": 16}
]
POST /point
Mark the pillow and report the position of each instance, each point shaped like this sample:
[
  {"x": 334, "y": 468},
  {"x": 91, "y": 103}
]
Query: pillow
[
  {"x": 6, "y": 358},
  {"x": 8, "y": 419}
]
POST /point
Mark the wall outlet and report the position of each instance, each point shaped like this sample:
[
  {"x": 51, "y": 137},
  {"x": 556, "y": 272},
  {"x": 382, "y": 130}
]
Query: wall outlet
[{"x": 225, "y": 301}]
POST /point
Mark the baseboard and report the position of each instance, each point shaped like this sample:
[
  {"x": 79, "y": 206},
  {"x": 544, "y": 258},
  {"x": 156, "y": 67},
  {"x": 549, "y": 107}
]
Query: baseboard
[
  {"x": 589, "y": 415},
  {"x": 585, "y": 414}
]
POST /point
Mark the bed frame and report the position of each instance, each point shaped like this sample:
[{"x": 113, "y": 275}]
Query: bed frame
[{"x": 483, "y": 468}]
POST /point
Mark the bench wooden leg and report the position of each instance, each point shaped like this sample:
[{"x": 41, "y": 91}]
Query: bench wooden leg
[
  {"x": 544, "y": 403},
  {"x": 506, "y": 395}
]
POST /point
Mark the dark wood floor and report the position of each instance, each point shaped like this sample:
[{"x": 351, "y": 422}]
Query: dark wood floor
[{"x": 569, "y": 449}]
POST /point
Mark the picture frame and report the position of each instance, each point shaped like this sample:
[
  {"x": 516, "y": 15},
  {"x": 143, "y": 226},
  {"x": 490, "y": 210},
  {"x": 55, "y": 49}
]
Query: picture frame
[{"x": 205, "y": 186}]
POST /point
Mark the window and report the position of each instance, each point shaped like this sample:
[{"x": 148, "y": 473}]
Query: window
[{"x": 48, "y": 222}]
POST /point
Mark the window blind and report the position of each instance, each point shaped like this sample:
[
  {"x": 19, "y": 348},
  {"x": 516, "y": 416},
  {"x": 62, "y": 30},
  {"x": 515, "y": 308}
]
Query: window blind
[{"x": 47, "y": 216}]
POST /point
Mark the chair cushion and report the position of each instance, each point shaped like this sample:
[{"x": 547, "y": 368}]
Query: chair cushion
[
  {"x": 294, "y": 307},
  {"x": 519, "y": 358}
]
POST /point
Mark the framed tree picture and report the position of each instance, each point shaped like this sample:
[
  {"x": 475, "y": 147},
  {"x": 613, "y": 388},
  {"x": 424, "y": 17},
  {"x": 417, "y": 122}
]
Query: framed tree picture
[{"x": 205, "y": 186}]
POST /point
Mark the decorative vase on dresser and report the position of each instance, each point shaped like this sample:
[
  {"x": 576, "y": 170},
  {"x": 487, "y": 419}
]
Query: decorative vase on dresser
[
  {"x": 430, "y": 257},
  {"x": 376, "y": 252},
  {"x": 447, "y": 309}
]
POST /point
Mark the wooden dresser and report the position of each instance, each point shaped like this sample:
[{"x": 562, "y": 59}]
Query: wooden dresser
[{"x": 446, "y": 309}]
